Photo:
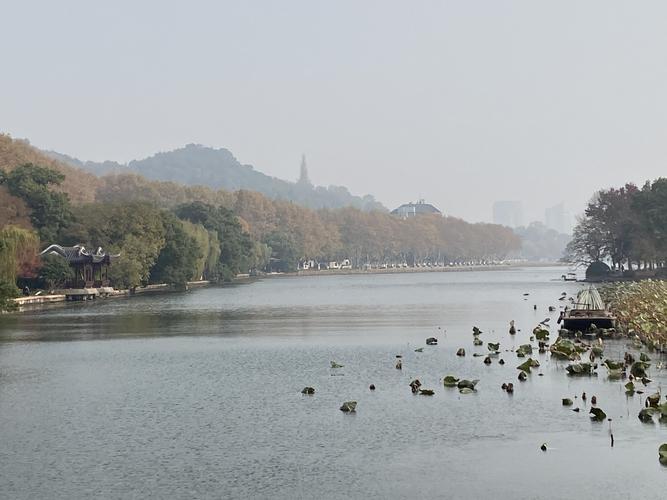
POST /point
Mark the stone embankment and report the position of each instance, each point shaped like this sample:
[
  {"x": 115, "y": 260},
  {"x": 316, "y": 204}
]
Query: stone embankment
[{"x": 82, "y": 294}]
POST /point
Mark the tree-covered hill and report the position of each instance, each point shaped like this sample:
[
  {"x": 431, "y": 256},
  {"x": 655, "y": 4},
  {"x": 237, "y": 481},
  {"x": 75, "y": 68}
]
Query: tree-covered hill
[
  {"x": 79, "y": 185},
  {"x": 195, "y": 165}
]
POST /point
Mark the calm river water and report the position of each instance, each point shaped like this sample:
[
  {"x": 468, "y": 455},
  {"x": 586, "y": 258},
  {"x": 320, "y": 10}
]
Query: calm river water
[{"x": 197, "y": 395}]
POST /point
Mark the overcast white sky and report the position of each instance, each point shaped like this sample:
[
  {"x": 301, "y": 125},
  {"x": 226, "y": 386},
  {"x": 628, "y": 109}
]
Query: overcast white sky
[{"x": 460, "y": 102}]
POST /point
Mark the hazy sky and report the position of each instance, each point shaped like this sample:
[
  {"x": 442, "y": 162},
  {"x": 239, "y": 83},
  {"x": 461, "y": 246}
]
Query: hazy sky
[{"x": 460, "y": 102}]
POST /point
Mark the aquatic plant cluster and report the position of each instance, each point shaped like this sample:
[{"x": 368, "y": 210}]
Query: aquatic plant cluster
[
  {"x": 584, "y": 355},
  {"x": 641, "y": 309}
]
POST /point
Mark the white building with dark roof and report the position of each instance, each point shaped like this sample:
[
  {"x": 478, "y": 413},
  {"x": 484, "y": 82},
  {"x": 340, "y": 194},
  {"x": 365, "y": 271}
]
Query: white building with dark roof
[{"x": 414, "y": 209}]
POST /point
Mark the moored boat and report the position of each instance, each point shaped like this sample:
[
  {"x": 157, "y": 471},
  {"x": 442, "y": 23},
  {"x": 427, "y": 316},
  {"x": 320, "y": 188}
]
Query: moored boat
[{"x": 587, "y": 310}]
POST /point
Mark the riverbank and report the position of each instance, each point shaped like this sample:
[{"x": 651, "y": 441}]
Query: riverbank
[
  {"x": 629, "y": 276},
  {"x": 87, "y": 294},
  {"x": 404, "y": 270}
]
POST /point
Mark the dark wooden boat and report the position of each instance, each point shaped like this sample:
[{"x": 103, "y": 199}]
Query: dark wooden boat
[
  {"x": 580, "y": 321},
  {"x": 588, "y": 310}
]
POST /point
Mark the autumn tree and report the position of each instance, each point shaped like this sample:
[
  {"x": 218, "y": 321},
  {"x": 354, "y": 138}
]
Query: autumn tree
[{"x": 49, "y": 209}]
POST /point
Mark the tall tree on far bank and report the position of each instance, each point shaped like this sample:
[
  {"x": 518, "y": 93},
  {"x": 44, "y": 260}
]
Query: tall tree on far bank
[
  {"x": 178, "y": 259},
  {"x": 235, "y": 244},
  {"x": 49, "y": 209},
  {"x": 18, "y": 253},
  {"x": 627, "y": 226},
  {"x": 18, "y": 257}
]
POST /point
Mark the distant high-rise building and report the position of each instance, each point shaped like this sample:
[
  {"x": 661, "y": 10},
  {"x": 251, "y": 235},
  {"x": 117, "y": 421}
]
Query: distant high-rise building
[
  {"x": 508, "y": 213},
  {"x": 303, "y": 177},
  {"x": 558, "y": 219}
]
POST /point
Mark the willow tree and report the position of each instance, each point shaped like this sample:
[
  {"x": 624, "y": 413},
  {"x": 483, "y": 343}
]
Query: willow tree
[{"x": 18, "y": 249}]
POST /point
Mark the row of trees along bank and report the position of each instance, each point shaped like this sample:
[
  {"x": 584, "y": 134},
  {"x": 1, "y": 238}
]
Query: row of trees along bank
[
  {"x": 162, "y": 242},
  {"x": 625, "y": 226}
]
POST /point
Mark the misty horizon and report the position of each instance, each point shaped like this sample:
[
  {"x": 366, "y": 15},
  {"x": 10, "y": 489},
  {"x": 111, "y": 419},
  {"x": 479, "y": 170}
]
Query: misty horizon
[{"x": 459, "y": 104}]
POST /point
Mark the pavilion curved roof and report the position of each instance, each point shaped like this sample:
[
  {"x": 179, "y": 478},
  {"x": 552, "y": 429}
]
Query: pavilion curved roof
[{"x": 78, "y": 254}]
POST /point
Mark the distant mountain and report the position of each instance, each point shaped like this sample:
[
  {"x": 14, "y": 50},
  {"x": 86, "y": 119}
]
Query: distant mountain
[{"x": 195, "y": 164}]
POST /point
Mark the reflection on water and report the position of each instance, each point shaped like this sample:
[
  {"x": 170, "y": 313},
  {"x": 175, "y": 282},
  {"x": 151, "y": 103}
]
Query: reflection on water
[{"x": 198, "y": 395}]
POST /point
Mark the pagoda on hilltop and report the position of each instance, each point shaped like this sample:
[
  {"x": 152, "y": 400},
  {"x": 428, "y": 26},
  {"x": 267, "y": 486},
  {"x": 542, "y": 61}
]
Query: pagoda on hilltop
[{"x": 304, "y": 180}]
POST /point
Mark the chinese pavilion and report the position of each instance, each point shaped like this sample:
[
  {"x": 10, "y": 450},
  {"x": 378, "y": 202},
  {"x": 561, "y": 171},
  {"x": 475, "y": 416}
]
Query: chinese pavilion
[{"x": 90, "y": 268}]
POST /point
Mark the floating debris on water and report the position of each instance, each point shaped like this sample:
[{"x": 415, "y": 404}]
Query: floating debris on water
[
  {"x": 512, "y": 328},
  {"x": 646, "y": 415},
  {"x": 638, "y": 369},
  {"x": 467, "y": 384},
  {"x": 349, "y": 407},
  {"x": 653, "y": 400},
  {"x": 415, "y": 385},
  {"x": 580, "y": 368},
  {"x": 507, "y": 387},
  {"x": 528, "y": 364},
  {"x": 597, "y": 414},
  {"x": 541, "y": 333},
  {"x": 524, "y": 349}
]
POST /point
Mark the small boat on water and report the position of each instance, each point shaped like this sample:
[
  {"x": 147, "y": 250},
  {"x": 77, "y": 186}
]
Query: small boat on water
[
  {"x": 569, "y": 277},
  {"x": 588, "y": 309}
]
